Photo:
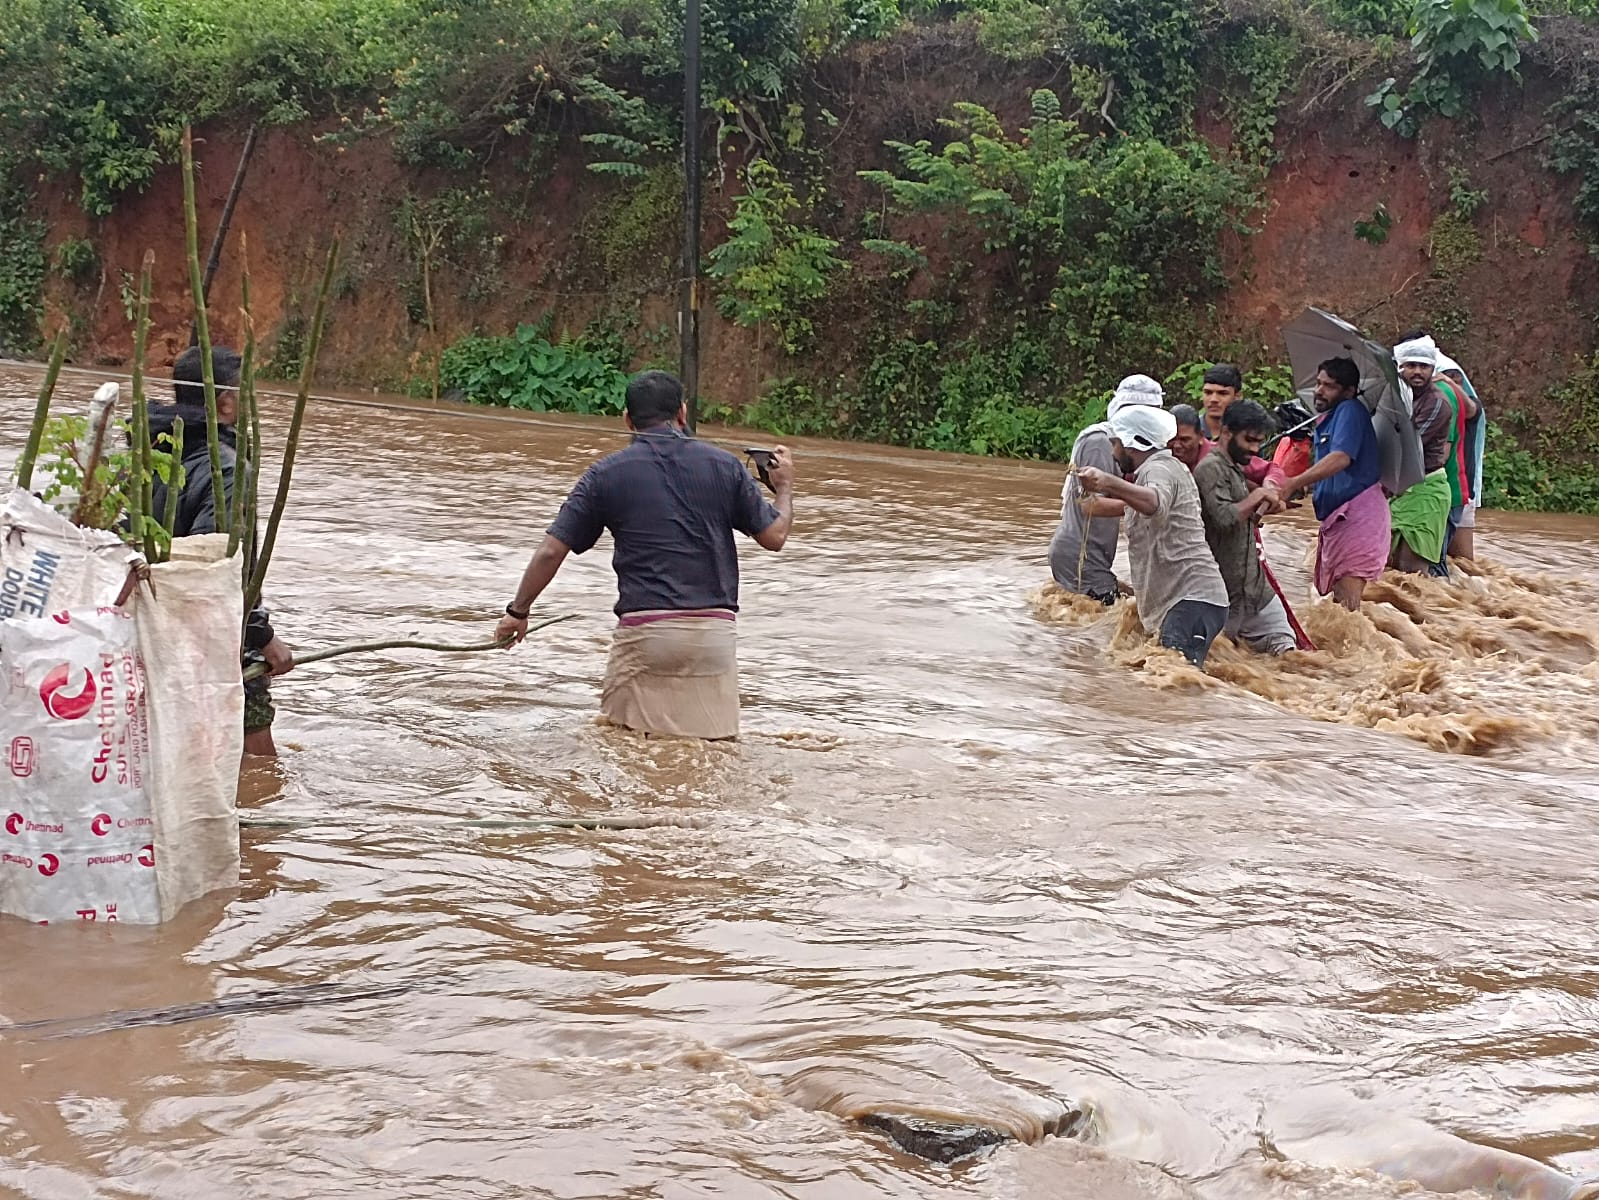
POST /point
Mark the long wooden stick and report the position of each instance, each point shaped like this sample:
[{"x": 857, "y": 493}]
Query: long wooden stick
[
  {"x": 41, "y": 413},
  {"x": 307, "y": 371},
  {"x": 214, "y": 259},
  {"x": 256, "y": 670},
  {"x": 141, "y": 497},
  {"x": 243, "y": 465},
  {"x": 191, "y": 231}
]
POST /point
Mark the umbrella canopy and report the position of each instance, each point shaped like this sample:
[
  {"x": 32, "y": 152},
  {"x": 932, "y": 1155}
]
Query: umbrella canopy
[{"x": 1317, "y": 336}]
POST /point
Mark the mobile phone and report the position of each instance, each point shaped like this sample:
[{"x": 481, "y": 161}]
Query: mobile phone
[{"x": 763, "y": 462}]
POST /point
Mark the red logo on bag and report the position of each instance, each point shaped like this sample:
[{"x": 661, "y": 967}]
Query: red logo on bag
[
  {"x": 22, "y": 757},
  {"x": 61, "y": 618},
  {"x": 61, "y": 705},
  {"x": 49, "y": 864},
  {"x": 14, "y": 824},
  {"x": 147, "y": 856},
  {"x": 101, "y": 825}
]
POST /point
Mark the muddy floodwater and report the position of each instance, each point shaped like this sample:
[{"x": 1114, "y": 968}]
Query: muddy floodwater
[{"x": 977, "y": 854}]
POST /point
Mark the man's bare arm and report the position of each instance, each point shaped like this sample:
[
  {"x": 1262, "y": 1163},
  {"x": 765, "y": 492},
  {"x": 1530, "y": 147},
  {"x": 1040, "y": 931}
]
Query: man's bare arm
[
  {"x": 781, "y": 473},
  {"x": 541, "y": 569},
  {"x": 1329, "y": 466},
  {"x": 1135, "y": 496}
]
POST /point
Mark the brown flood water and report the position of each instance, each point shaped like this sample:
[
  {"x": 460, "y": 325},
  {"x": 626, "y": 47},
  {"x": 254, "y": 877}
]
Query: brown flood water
[{"x": 971, "y": 857}]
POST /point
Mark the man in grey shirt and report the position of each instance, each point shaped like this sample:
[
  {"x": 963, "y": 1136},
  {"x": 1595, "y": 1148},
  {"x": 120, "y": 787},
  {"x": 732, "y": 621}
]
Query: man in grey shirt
[
  {"x": 1087, "y": 571},
  {"x": 1179, "y": 589}
]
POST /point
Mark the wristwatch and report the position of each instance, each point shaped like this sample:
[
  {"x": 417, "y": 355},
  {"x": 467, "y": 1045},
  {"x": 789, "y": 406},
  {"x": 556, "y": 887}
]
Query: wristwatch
[{"x": 510, "y": 611}]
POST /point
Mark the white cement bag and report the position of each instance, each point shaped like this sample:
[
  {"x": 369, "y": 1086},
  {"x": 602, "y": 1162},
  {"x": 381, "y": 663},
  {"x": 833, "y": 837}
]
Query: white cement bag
[
  {"x": 48, "y": 564},
  {"x": 124, "y": 731},
  {"x": 79, "y": 837},
  {"x": 189, "y": 612}
]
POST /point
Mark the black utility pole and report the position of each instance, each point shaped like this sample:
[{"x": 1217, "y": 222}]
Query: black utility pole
[{"x": 689, "y": 306}]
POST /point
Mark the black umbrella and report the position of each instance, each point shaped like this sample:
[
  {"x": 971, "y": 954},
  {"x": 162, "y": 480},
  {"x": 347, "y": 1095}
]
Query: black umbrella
[{"x": 1317, "y": 336}]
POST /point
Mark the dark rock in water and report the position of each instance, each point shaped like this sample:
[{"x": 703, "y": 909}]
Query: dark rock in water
[
  {"x": 936, "y": 1141},
  {"x": 944, "y": 1141}
]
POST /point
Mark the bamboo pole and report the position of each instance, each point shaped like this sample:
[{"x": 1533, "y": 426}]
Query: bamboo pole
[
  {"x": 175, "y": 480},
  {"x": 285, "y": 476},
  {"x": 243, "y": 466},
  {"x": 141, "y": 499},
  {"x": 214, "y": 259},
  {"x": 41, "y": 413},
  {"x": 191, "y": 229},
  {"x": 256, "y": 670}
]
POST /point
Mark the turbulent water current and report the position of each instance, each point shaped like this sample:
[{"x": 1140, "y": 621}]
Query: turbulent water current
[{"x": 1278, "y": 929}]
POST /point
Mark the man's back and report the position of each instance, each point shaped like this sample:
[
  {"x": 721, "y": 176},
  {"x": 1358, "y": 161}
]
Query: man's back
[
  {"x": 672, "y": 504},
  {"x": 196, "y": 511}
]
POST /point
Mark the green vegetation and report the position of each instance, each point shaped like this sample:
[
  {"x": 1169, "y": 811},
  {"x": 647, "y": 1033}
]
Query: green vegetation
[
  {"x": 1459, "y": 45},
  {"x": 77, "y": 261},
  {"x": 979, "y": 287},
  {"x": 528, "y": 371},
  {"x": 773, "y": 270},
  {"x": 1522, "y": 481},
  {"x": 22, "y": 265}
]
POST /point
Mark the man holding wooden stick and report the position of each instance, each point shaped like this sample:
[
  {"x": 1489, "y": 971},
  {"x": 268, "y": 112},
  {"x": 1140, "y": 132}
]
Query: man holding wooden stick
[
  {"x": 672, "y": 504},
  {"x": 195, "y": 513}
]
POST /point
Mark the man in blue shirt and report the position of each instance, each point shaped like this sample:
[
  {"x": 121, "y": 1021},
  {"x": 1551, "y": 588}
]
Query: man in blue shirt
[
  {"x": 1354, "y": 540},
  {"x": 672, "y": 505}
]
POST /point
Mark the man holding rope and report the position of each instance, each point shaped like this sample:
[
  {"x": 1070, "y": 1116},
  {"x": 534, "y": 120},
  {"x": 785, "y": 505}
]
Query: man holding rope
[
  {"x": 196, "y": 513},
  {"x": 672, "y": 505},
  {"x": 1256, "y": 616}
]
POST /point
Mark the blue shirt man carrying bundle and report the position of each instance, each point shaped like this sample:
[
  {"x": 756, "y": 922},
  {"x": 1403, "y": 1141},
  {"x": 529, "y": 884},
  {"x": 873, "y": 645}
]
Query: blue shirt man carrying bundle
[{"x": 672, "y": 505}]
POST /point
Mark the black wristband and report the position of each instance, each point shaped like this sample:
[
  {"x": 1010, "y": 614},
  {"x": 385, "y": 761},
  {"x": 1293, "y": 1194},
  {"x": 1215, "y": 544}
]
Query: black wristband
[{"x": 510, "y": 611}]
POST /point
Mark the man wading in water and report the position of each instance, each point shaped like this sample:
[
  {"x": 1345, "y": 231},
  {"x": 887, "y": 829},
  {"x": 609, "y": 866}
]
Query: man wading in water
[
  {"x": 672, "y": 505},
  {"x": 197, "y": 513},
  {"x": 1086, "y": 570},
  {"x": 1352, "y": 544},
  {"x": 1180, "y": 592}
]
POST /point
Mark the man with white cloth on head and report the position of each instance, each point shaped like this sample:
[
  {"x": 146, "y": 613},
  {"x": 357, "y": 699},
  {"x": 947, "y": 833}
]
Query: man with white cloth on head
[
  {"x": 1096, "y": 520},
  {"x": 1420, "y": 514},
  {"x": 1180, "y": 592}
]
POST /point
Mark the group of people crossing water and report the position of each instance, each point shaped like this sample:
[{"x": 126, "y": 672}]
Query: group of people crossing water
[{"x": 1191, "y": 489}]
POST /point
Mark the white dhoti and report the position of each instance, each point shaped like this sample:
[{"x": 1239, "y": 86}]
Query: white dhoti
[{"x": 674, "y": 673}]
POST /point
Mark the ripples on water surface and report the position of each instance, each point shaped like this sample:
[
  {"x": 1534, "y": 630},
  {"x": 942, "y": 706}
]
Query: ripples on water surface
[{"x": 965, "y": 859}]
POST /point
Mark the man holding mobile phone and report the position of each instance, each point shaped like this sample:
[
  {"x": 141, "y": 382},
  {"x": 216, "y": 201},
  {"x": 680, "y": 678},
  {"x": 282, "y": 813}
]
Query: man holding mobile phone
[{"x": 672, "y": 504}]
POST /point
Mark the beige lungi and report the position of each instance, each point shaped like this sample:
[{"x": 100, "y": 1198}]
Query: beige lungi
[{"x": 673, "y": 675}]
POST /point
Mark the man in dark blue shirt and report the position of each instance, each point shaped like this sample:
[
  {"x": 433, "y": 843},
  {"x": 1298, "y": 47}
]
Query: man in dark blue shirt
[
  {"x": 1352, "y": 547},
  {"x": 672, "y": 505}
]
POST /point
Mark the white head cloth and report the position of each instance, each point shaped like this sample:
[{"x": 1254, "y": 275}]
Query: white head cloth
[
  {"x": 1136, "y": 390},
  {"x": 1143, "y": 427},
  {"x": 1418, "y": 350},
  {"x": 1445, "y": 363}
]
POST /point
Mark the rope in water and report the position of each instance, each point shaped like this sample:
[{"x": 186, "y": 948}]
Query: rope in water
[
  {"x": 256, "y": 670},
  {"x": 621, "y": 821}
]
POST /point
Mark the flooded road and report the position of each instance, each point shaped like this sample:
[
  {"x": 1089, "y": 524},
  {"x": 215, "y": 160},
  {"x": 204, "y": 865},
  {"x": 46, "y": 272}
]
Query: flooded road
[{"x": 967, "y": 859}]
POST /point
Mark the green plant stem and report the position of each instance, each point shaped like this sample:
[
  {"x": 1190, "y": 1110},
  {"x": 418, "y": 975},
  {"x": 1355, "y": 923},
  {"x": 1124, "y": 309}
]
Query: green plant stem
[
  {"x": 286, "y": 474},
  {"x": 41, "y": 413},
  {"x": 256, "y": 670},
  {"x": 169, "y": 519},
  {"x": 141, "y": 492},
  {"x": 191, "y": 230}
]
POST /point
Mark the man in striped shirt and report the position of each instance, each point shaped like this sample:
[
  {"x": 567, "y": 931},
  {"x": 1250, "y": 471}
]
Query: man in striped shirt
[{"x": 672, "y": 505}]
